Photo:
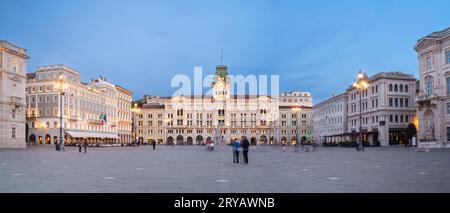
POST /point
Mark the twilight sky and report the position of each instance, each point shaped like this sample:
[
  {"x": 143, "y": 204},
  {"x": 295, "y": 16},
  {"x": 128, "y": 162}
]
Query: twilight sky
[{"x": 315, "y": 46}]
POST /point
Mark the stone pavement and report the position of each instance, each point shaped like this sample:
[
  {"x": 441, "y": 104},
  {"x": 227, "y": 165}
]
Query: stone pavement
[{"x": 194, "y": 169}]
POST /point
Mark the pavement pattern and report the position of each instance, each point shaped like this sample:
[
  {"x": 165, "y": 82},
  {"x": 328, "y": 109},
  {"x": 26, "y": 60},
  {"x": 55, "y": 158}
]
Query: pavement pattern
[{"x": 195, "y": 169}]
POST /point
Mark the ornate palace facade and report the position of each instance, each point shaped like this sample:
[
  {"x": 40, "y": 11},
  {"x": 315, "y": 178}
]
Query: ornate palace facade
[
  {"x": 13, "y": 68},
  {"x": 220, "y": 117},
  {"x": 97, "y": 112},
  {"x": 433, "y": 100}
]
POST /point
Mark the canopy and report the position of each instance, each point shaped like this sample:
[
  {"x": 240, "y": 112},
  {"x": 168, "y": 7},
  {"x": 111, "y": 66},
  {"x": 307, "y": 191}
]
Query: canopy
[{"x": 76, "y": 134}]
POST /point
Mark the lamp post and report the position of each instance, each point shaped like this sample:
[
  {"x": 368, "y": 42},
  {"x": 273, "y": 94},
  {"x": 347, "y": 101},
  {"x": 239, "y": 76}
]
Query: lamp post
[
  {"x": 296, "y": 110},
  {"x": 270, "y": 120},
  {"x": 135, "y": 109},
  {"x": 60, "y": 86},
  {"x": 166, "y": 122},
  {"x": 360, "y": 84}
]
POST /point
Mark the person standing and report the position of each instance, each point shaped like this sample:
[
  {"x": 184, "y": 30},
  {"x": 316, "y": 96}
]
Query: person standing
[
  {"x": 85, "y": 146},
  {"x": 154, "y": 144},
  {"x": 79, "y": 146},
  {"x": 245, "y": 145},
  {"x": 236, "y": 145}
]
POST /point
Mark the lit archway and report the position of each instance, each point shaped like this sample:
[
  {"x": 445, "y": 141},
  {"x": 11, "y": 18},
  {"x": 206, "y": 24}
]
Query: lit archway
[
  {"x": 48, "y": 139},
  {"x": 263, "y": 140},
  {"x": 283, "y": 141}
]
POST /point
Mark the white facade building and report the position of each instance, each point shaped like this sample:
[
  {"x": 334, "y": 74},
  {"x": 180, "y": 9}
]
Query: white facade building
[
  {"x": 433, "y": 100},
  {"x": 90, "y": 110},
  {"x": 13, "y": 67},
  {"x": 330, "y": 118}
]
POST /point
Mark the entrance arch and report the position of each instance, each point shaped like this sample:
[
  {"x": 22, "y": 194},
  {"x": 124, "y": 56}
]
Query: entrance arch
[
  {"x": 294, "y": 140},
  {"x": 253, "y": 141},
  {"x": 199, "y": 139},
  {"x": 304, "y": 139},
  {"x": 169, "y": 140},
  {"x": 32, "y": 139},
  {"x": 189, "y": 140},
  {"x": 180, "y": 140},
  {"x": 48, "y": 139},
  {"x": 263, "y": 140},
  {"x": 283, "y": 140}
]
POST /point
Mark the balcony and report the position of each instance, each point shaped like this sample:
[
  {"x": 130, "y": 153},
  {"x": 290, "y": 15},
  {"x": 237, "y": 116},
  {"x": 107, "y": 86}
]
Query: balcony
[
  {"x": 16, "y": 101},
  {"x": 425, "y": 97}
]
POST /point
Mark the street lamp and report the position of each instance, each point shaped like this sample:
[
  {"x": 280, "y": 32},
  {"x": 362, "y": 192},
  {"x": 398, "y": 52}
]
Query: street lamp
[
  {"x": 270, "y": 120},
  {"x": 296, "y": 110},
  {"x": 166, "y": 122},
  {"x": 60, "y": 86},
  {"x": 360, "y": 84},
  {"x": 135, "y": 109}
]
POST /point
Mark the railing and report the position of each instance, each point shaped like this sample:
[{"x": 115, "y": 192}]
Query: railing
[
  {"x": 17, "y": 101},
  {"x": 425, "y": 97}
]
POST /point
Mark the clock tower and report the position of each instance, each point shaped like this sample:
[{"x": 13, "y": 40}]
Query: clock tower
[{"x": 221, "y": 83}]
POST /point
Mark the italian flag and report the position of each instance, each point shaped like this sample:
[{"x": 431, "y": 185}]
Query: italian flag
[{"x": 103, "y": 118}]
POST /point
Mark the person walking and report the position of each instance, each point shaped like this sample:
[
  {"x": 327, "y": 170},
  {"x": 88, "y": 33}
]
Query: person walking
[
  {"x": 245, "y": 145},
  {"x": 79, "y": 146},
  {"x": 85, "y": 146},
  {"x": 236, "y": 145},
  {"x": 154, "y": 144}
]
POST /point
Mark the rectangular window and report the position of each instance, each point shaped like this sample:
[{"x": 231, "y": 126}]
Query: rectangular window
[
  {"x": 428, "y": 62},
  {"x": 448, "y": 108},
  {"x": 448, "y": 133},
  {"x": 390, "y": 102},
  {"x": 448, "y": 85},
  {"x": 13, "y": 132},
  {"x": 447, "y": 57}
]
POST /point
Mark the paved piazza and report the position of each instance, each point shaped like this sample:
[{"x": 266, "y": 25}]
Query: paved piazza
[{"x": 194, "y": 169}]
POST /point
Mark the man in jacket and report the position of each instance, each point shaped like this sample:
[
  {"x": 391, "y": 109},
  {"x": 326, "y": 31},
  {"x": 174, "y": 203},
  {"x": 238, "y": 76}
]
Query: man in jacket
[
  {"x": 245, "y": 145},
  {"x": 235, "y": 146}
]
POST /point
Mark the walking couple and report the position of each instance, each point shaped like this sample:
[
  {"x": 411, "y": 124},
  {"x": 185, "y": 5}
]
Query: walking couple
[{"x": 237, "y": 146}]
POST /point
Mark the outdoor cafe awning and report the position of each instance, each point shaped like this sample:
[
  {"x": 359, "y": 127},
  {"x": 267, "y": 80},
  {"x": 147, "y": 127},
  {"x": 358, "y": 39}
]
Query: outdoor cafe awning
[{"x": 76, "y": 134}]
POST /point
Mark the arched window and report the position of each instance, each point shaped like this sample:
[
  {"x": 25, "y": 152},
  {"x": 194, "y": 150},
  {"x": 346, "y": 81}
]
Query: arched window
[
  {"x": 406, "y": 88},
  {"x": 429, "y": 87},
  {"x": 401, "y": 87},
  {"x": 390, "y": 87},
  {"x": 395, "y": 88}
]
